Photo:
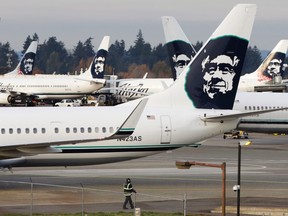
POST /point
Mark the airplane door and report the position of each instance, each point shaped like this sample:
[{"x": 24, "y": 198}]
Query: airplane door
[{"x": 165, "y": 129}]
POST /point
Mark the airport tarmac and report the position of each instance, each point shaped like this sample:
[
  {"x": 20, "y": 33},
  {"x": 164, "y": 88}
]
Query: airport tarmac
[{"x": 160, "y": 185}]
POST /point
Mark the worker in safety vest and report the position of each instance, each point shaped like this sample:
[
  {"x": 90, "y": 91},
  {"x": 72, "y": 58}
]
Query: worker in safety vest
[{"x": 128, "y": 190}]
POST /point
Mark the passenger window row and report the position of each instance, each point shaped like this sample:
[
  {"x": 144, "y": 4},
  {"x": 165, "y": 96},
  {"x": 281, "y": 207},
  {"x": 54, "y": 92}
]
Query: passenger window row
[
  {"x": 57, "y": 130},
  {"x": 261, "y": 107}
]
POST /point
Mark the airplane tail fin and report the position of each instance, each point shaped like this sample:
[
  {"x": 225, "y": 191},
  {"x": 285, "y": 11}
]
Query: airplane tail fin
[
  {"x": 211, "y": 79},
  {"x": 27, "y": 62},
  {"x": 273, "y": 64},
  {"x": 97, "y": 66},
  {"x": 180, "y": 50}
]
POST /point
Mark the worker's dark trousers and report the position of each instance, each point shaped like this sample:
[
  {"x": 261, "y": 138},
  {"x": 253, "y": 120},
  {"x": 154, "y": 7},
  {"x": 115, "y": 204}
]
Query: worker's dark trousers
[{"x": 128, "y": 199}]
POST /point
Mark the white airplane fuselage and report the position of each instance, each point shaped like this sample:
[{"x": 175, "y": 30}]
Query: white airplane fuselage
[
  {"x": 248, "y": 82},
  {"x": 273, "y": 122},
  {"x": 137, "y": 88},
  {"x": 160, "y": 129},
  {"x": 47, "y": 86}
]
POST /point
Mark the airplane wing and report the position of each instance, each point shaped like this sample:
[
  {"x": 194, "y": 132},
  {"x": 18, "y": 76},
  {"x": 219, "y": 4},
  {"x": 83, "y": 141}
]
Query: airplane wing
[
  {"x": 9, "y": 94},
  {"x": 14, "y": 93},
  {"x": 125, "y": 130},
  {"x": 238, "y": 115}
]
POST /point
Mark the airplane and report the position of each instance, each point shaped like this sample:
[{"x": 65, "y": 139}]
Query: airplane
[
  {"x": 269, "y": 72},
  {"x": 38, "y": 87},
  {"x": 181, "y": 115},
  {"x": 27, "y": 62},
  {"x": 183, "y": 52},
  {"x": 274, "y": 122}
]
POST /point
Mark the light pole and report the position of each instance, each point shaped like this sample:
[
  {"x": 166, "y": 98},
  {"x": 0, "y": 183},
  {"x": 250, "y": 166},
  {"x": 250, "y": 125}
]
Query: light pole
[
  {"x": 188, "y": 164},
  {"x": 238, "y": 186}
]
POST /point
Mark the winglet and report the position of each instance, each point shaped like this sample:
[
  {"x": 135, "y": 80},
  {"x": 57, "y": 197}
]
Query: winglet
[
  {"x": 27, "y": 62},
  {"x": 128, "y": 127}
]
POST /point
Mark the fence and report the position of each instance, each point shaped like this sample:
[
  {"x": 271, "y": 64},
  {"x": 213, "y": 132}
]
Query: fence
[{"x": 30, "y": 197}]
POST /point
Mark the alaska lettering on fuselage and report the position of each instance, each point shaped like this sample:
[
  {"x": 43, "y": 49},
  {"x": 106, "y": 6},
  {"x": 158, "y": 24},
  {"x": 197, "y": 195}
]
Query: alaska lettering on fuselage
[
  {"x": 8, "y": 87},
  {"x": 128, "y": 90}
]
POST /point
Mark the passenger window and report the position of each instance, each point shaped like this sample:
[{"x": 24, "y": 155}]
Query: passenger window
[
  {"x": 111, "y": 130},
  {"x": 67, "y": 130},
  {"x": 56, "y": 130},
  {"x": 96, "y": 130},
  {"x": 82, "y": 130},
  {"x": 74, "y": 130},
  {"x": 18, "y": 130},
  {"x": 89, "y": 129},
  {"x": 10, "y": 130},
  {"x": 34, "y": 130},
  {"x": 43, "y": 130},
  {"x": 2, "y": 130},
  {"x": 104, "y": 129},
  {"x": 27, "y": 130}
]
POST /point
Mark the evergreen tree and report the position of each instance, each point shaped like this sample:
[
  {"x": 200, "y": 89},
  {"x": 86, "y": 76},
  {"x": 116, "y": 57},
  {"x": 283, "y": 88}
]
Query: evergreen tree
[
  {"x": 28, "y": 41},
  {"x": 139, "y": 59},
  {"x": 197, "y": 46},
  {"x": 252, "y": 60},
  {"x": 140, "y": 52},
  {"x": 48, "y": 50},
  {"x": 88, "y": 49},
  {"x": 53, "y": 63},
  {"x": 8, "y": 58},
  {"x": 78, "y": 53},
  {"x": 117, "y": 57}
]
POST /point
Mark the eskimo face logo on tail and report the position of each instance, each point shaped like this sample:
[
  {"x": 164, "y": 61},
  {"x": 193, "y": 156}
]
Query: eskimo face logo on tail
[
  {"x": 98, "y": 66},
  {"x": 27, "y": 64},
  {"x": 275, "y": 67},
  {"x": 213, "y": 77},
  {"x": 180, "y": 54},
  {"x": 218, "y": 74},
  {"x": 272, "y": 67}
]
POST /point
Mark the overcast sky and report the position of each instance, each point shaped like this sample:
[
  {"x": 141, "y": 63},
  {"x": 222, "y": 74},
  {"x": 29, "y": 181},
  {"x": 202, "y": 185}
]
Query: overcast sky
[{"x": 73, "y": 20}]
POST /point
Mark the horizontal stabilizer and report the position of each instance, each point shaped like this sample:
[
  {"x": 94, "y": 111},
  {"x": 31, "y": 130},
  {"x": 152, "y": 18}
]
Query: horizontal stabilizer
[{"x": 239, "y": 115}]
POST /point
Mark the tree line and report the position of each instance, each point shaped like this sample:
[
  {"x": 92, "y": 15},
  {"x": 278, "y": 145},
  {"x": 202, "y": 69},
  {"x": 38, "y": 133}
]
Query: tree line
[{"x": 126, "y": 62}]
